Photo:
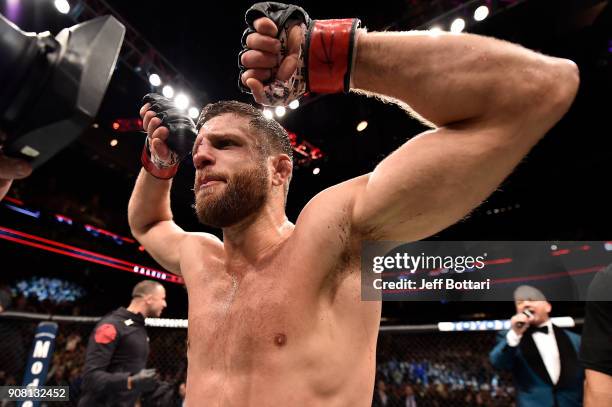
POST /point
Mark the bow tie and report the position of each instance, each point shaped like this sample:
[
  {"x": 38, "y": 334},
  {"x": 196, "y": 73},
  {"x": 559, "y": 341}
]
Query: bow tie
[{"x": 544, "y": 329}]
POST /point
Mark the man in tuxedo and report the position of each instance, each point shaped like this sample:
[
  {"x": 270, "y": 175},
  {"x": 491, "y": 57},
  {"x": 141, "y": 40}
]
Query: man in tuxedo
[{"x": 542, "y": 357}]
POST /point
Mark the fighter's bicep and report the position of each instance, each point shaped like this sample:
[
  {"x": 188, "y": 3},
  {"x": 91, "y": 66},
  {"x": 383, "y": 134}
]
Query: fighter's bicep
[{"x": 436, "y": 179}]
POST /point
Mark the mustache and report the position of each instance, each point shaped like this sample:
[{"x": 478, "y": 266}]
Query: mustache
[{"x": 200, "y": 177}]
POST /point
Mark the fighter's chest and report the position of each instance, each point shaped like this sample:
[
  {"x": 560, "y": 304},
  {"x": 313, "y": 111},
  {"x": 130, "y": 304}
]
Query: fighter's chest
[{"x": 250, "y": 308}]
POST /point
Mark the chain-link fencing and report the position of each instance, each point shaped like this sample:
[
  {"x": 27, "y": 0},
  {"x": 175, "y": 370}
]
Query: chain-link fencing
[{"x": 418, "y": 363}]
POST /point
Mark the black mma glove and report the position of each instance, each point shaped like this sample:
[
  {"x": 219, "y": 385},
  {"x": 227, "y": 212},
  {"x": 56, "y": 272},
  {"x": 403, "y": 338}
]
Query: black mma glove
[
  {"x": 180, "y": 140},
  {"x": 144, "y": 380}
]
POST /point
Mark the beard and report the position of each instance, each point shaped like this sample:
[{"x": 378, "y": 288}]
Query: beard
[{"x": 244, "y": 194}]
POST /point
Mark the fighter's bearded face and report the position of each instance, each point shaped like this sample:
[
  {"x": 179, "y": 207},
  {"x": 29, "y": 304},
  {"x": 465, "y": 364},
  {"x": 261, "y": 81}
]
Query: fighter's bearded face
[{"x": 232, "y": 180}]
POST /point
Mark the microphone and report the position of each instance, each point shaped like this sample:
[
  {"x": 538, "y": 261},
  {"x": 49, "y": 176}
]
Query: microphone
[{"x": 529, "y": 314}]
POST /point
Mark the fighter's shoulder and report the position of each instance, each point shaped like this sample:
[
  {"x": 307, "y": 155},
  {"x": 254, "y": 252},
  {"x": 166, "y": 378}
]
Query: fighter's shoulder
[{"x": 200, "y": 241}]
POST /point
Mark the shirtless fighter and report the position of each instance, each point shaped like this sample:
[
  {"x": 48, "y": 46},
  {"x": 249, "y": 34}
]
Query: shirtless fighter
[{"x": 275, "y": 316}]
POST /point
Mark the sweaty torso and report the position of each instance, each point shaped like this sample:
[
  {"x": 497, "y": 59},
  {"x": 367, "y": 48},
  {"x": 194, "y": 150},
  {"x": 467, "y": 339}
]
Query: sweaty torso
[{"x": 291, "y": 330}]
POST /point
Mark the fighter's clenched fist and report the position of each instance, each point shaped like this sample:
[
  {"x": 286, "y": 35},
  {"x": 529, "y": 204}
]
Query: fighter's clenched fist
[
  {"x": 170, "y": 136},
  {"x": 286, "y": 54}
]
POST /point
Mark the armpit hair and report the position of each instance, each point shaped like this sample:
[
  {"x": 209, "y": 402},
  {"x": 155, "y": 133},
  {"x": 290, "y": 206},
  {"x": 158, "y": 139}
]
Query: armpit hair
[{"x": 404, "y": 106}]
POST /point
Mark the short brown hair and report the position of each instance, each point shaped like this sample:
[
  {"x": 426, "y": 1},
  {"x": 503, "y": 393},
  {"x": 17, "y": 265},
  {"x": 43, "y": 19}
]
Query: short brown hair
[
  {"x": 145, "y": 287},
  {"x": 276, "y": 137}
]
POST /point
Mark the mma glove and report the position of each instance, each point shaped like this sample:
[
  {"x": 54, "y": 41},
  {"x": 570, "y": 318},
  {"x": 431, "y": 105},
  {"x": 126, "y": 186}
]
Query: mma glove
[
  {"x": 325, "y": 57},
  {"x": 180, "y": 140}
]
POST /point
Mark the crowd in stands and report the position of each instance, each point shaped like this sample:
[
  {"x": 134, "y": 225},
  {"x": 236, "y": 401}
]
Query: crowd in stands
[
  {"x": 54, "y": 290},
  {"x": 439, "y": 369}
]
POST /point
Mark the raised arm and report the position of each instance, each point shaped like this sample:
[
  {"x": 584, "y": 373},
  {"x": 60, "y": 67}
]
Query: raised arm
[
  {"x": 151, "y": 223},
  {"x": 149, "y": 213},
  {"x": 489, "y": 102}
]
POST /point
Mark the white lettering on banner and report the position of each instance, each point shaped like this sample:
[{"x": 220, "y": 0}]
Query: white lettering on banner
[
  {"x": 34, "y": 383},
  {"x": 41, "y": 349},
  {"x": 37, "y": 367}
]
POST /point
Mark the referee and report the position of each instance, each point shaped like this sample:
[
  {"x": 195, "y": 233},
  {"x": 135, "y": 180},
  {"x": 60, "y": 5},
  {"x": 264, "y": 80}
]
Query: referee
[{"x": 114, "y": 373}]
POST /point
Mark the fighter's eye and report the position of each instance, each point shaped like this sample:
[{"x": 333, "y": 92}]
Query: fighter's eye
[{"x": 223, "y": 144}]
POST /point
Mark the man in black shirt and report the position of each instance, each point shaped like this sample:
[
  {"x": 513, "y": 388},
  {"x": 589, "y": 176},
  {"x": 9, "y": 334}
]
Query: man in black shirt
[
  {"x": 114, "y": 373},
  {"x": 596, "y": 349}
]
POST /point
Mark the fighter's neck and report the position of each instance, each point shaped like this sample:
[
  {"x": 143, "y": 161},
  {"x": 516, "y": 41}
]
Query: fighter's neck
[{"x": 254, "y": 238}]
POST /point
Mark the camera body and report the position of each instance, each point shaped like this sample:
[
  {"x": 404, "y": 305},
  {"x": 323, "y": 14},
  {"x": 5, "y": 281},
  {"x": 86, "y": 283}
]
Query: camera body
[{"x": 55, "y": 85}]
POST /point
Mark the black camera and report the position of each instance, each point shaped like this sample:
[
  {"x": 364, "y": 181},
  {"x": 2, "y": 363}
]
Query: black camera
[{"x": 52, "y": 87}]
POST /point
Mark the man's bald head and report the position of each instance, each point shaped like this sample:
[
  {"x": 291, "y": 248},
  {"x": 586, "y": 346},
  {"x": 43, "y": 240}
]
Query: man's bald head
[
  {"x": 148, "y": 298},
  {"x": 145, "y": 287}
]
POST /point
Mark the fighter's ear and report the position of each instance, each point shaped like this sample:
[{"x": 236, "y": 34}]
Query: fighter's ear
[{"x": 282, "y": 169}]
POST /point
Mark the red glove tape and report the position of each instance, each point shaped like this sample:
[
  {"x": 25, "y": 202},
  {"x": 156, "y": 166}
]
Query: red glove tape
[
  {"x": 330, "y": 54},
  {"x": 161, "y": 173}
]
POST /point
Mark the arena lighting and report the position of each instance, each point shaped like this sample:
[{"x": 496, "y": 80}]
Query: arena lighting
[
  {"x": 127, "y": 125},
  {"x": 114, "y": 142},
  {"x": 62, "y": 6},
  {"x": 481, "y": 13},
  {"x": 362, "y": 125},
  {"x": 181, "y": 101},
  {"x": 34, "y": 214},
  {"x": 316, "y": 171},
  {"x": 294, "y": 104},
  {"x": 495, "y": 324},
  {"x": 304, "y": 152},
  {"x": 268, "y": 114},
  {"x": 167, "y": 91},
  {"x": 63, "y": 219},
  {"x": 458, "y": 25},
  {"x": 280, "y": 111},
  {"x": 97, "y": 231},
  {"x": 194, "y": 112},
  {"x": 154, "y": 79},
  {"x": 86, "y": 255},
  {"x": 435, "y": 31},
  {"x": 540, "y": 277},
  {"x": 94, "y": 231},
  {"x": 13, "y": 200}
]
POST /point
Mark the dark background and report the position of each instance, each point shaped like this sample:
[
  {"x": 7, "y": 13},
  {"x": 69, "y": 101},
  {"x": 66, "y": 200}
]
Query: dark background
[{"x": 559, "y": 192}]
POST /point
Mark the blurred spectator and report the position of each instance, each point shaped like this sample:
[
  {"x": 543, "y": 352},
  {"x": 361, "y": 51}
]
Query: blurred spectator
[
  {"x": 384, "y": 397},
  {"x": 408, "y": 398},
  {"x": 50, "y": 290},
  {"x": 5, "y": 297},
  {"x": 12, "y": 350}
]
